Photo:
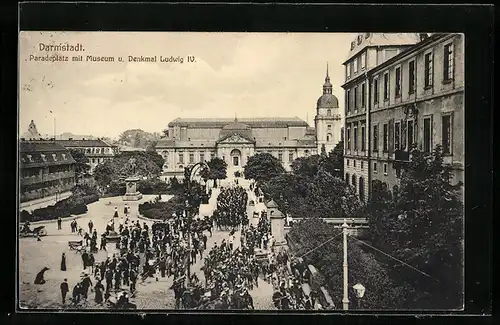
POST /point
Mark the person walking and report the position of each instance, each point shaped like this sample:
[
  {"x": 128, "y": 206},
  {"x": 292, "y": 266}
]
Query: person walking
[
  {"x": 91, "y": 226},
  {"x": 85, "y": 259},
  {"x": 99, "y": 288},
  {"x": 86, "y": 284},
  {"x": 63, "y": 262},
  {"x": 103, "y": 243},
  {"x": 64, "y": 289},
  {"x": 59, "y": 223}
]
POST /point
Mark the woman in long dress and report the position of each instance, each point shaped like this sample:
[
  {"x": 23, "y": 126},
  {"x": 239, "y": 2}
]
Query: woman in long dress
[
  {"x": 99, "y": 288},
  {"x": 63, "y": 262}
]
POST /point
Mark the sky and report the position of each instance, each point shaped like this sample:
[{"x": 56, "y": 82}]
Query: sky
[{"x": 234, "y": 74}]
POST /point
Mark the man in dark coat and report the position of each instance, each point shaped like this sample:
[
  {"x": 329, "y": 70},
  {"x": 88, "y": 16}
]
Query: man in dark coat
[
  {"x": 59, "y": 222},
  {"x": 133, "y": 280},
  {"x": 91, "y": 226},
  {"x": 86, "y": 284},
  {"x": 64, "y": 290},
  {"x": 85, "y": 259}
]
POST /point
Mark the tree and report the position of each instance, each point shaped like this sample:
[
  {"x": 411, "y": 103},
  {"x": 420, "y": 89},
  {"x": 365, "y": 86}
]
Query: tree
[
  {"x": 306, "y": 166},
  {"x": 262, "y": 167},
  {"x": 218, "y": 170},
  {"x": 334, "y": 161},
  {"x": 424, "y": 228},
  {"x": 157, "y": 158},
  {"x": 137, "y": 141},
  {"x": 119, "y": 167},
  {"x": 82, "y": 163}
]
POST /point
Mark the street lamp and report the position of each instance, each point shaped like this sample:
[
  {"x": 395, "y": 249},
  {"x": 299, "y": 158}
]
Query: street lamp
[{"x": 359, "y": 289}]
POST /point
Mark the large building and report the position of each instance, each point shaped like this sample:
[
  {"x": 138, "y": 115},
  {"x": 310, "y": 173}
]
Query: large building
[
  {"x": 96, "y": 150},
  {"x": 190, "y": 140},
  {"x": 46, "y": 170},
  {"x": 401, "y": 90}
]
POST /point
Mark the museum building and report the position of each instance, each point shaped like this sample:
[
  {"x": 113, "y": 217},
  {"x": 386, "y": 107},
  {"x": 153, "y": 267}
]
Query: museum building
[{"x": 191, "y": 140}]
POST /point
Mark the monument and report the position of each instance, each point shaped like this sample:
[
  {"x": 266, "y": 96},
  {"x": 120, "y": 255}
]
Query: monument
[
  {"x": 277, "y": 223},
  {"x": 131, "y": 193}
]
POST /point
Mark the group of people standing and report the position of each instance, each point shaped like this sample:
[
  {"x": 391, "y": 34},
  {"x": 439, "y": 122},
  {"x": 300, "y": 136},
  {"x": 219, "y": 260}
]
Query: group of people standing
[{"x": 231, "y": 211}]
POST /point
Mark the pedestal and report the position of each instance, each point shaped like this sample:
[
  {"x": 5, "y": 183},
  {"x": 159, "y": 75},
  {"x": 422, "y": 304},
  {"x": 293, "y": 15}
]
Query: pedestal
[
  {"x": 278, "y": 228},
  {"x": 131, "y": 190}
]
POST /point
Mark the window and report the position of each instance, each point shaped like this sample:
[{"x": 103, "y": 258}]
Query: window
[
  {"x": 427, "y": 134},
  {"x": 280, "y": 156},
  {"x": 410, "y": 135},
  {"x": 43, "y": 157},
  {"x": 375, "y": 167},
  {"x": 386, "y": 86},
  {"x": 362, "y": 165},
  {"x": 328, "y": 113},
  {"x": 348, "y": 100},
  {"x": 347, "y": 178},
  {"x": 367, "y": 35},
  {"x": 348, "y": 70},
  {"x": 355, "y": 138},
  {"x": 363, "y": 61},
  {"x": 348, "y": 138},
  {"x": 355, "y": 66},
  {"x": 181, "y": 158},
  {"x": 375, "y": 91},
  {"x": 385, "y": 169},
  {"x": 306, "y": 152},
  {"x": 329, "y": 127},
  {"x": 64, "y": 156},
  {"x": 191, "y": 157},
  {"x": 353, "y": 181},
  {"x": 398, "y": 82},
  {"x": 360, "y": 39},
  {"x": 353, "y": 44},
  {"x": 448, "y": 62},
  {"x": 386, "y": 138},
  {"x": 363, "y": 135},
  {"x": 290, "y": 156},
  {"x": 446, "y": 134},
  {"x": 347, "y": 162},
  {"x": 354, "y": 163},
  {"x": 375, "y": 138},
  {"x": 54, "y": 157},
  {"x": 411, "y": 77},
  {"x": 328, "y": 137},
  {"x": 397, "y": 135},
  {"x": 202, "y": 157},
  {"x": 355, "y": 97},
  {"x": 428, "y": 70},
  {"x": 363, "y": 91}
]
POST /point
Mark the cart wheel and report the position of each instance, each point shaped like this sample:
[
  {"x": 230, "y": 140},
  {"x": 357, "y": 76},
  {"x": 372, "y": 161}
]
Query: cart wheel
[{"x": 42, "y": 232}]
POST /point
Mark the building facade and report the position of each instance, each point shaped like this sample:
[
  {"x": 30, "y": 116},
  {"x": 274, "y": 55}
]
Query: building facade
[
  {"x": 197, "y": 140},
  {"x": 45, "y": 169},
  {"x": 188, "y": 141},
  {"x": 414, "y": 97},
  {"x": 96, "y": 150}
]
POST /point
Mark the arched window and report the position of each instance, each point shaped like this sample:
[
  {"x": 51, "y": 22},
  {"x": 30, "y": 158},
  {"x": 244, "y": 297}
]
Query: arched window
[
  {"x": 362, "y": 189},
  {"x": 328, "y": 137},
  {"x": 329, "y": 112},
  {"x": 347, "y": 178},
  {"x": 354, "y": 181}
]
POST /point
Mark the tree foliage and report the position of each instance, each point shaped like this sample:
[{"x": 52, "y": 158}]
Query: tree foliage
[
  {"x": 423, "y": 226},
  {"x": 82, "y": 166},
  {"x": 116, "y": 170},
  {"x": 382, "y": 292},
  {"x": 263, "y": 167},
  {"x": 138, "y": 138},
  {"x": 218, "y": 170}
]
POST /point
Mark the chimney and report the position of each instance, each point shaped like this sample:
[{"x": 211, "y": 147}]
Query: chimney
[{"x": 83, "y": 138}]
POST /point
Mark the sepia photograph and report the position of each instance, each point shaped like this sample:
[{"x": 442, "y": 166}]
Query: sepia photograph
[{"x": 240, "y": 171}]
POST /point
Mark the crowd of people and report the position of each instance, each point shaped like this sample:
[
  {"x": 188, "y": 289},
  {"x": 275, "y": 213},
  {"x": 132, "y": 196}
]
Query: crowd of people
[{"x": 231, "y": 211}]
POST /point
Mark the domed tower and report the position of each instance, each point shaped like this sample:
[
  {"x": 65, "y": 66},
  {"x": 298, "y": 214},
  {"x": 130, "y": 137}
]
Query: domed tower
[{"x": 327, "y": 120}]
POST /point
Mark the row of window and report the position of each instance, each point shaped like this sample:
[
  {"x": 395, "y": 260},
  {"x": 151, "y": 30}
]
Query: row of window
[
  {"x": 44, "y": 157},
  {"x": 360, "y": 189},
  {"x": 98, "y": 150},
  {"x": 403, "y": 135},
  {"x": 448, "y": 74},
  {"x": 356, "y": 65}
]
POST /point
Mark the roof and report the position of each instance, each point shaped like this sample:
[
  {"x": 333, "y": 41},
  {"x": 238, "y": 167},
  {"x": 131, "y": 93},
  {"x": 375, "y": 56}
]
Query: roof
[
  {"x": 42, "y": 154},
  {"x": 381, "y": 39},
  {"x": 259, "y": 122},
  {"x": 83, "y": 143},
  {"x": 327, "y": 101},
  {"x": 271, "y": 204}
]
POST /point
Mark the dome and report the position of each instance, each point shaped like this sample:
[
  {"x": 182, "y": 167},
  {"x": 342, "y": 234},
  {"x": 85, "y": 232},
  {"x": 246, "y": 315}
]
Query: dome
[
  {"x": 328, "y": 101},
  {"x": 238, "y": 128}
]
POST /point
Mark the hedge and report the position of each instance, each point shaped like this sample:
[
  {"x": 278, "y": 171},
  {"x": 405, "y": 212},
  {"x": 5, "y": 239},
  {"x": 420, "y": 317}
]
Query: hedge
[
  {"x": 74, "y": 205},
  {"x": 162, "y": 210}
]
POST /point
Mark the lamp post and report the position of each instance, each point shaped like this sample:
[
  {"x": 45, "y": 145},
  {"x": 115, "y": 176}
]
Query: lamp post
[
  {"x": 188, "y": 174},
  {"x": 345, "y": 299},
  {"x": 359, "y": 289}
]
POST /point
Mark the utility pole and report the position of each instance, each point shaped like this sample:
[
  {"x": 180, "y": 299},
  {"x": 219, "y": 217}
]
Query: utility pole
[{"x": 345, "y": 299}]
